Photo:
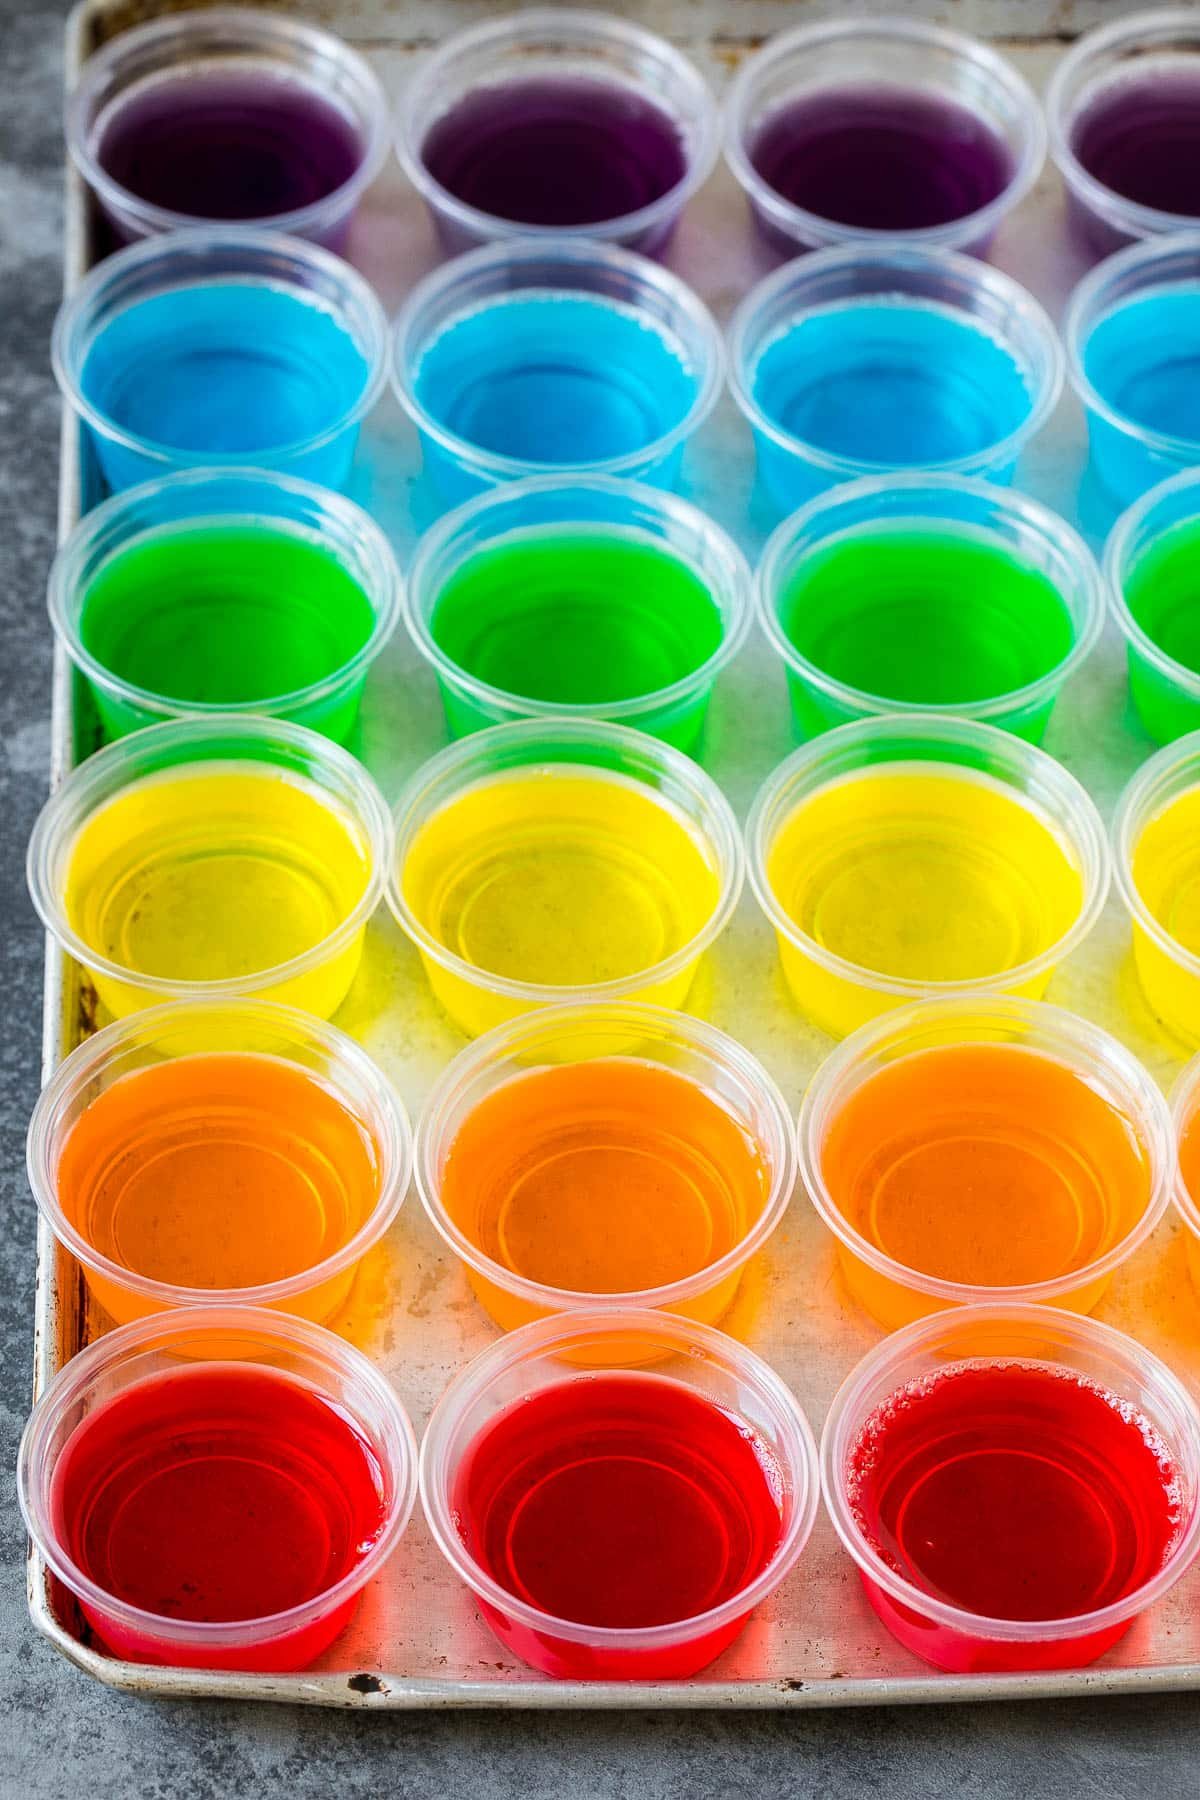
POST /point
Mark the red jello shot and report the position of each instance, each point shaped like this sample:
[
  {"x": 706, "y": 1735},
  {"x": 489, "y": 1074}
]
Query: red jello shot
[
  {"x": 618, "y": 1489},
  {"x": 1015, "y": 1484},
  {"x": 216, "y": 1486}
]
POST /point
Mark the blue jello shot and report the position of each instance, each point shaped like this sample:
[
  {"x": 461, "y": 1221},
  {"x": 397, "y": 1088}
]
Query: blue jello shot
[
  {"x": 858, "y": 361},
  {"x": 530, "y": 358},
  {"x": 216, "y": 348},
  {"x": 1133, "y": 349}
]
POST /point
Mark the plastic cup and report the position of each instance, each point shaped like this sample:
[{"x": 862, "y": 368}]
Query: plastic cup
[
  {"x": 183, "y": 265},
  {"x": 1184, "y": 1100},
  {"x": 641, "y": 774},
  {"x": 1155, "y": 826},
  {"x": 239, "y": 43},
  {"x": 318, "y": 784},
  {"x": 958, "y": 309},
  {"x": 1002, "y": 772},
  {"x": 553, "y": 44},
  {"x": 1165, "y": 691},
  {"x": 655, "y": 307},
  {"x": 595, "y": 1034},
  {"x": 893, "y": 1292},
  {"x": 947, "y": 1635},
  {"x": 1159, "y": 357},
  {"x": 304, "y": 1354},
  {"x": 529, "y": 516},
  {"x": 544, "y": 1354},
  {"x": 862, "y": 56},
  {"x": 194, "y": 1033},
  {"x": 978, "y": 516},
  {"x": 1130, "y": 54},
  {"x": 233, "y": 500}
]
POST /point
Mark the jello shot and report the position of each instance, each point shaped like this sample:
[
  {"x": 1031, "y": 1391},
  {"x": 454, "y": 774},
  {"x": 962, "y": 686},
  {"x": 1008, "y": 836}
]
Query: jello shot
[
  {"x": 902, "y": 858},
  {"x": 203, "y": 860},
  {"x": 221, "y": 1153},
  {"x": 927, "y": 593},
  {"x": 221, "y": 347},
  {"x": 231, "y": 115},
  {"x": 868, "y": 360},
  {"x": 1186, "y": 1123},
  {"x": 854, "y": 129},
  {"x": 1151, "y": 564},
  {"x": 613, "y": 1523},
  {"x": 281, "y": 596},
  {"x": 579, "y": 596},
  {"x": 1015, "y": 1485},
  {"x": 557, "y": 861},
  {"x": 530, "y": 358},
  {"x": 1156, "y": 843},
  {"x": 984, "y": 1150},
  {"x": 556, "y": 121},
  {"x": 605, "y": 1155},
  {"x": 217, "y": 1487}
]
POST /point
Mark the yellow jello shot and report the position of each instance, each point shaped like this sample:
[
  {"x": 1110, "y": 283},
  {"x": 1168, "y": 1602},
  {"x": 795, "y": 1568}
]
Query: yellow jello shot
[
  {"x": 898, "y": 858},
  {"x": 1156, "y": 836},
  {"x": 560, "y": 860},
  {"x": 201, "y": 859}
]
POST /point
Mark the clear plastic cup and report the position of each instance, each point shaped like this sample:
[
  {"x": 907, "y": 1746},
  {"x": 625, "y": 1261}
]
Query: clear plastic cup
[
  {"x": 953, "y": 506},
  {"x": 839, "y": 995},
  {"x": 203, "y": 257},
  {"x": 458, "y": 468},
  {"x": 1165, "y": 692},
  {"x": 640, "y": 766},
  {"x": 1129, "y": 52},
  {"x": 552, "y": 43},
  {"x": 316, "y": 979},
  {"x": 895, "y": 1293},
  {"x": 232, "y": 499},
  {"x": 597, "y": 1033},
  {"x": 239, "y": 42},
  {"x": 889, "y": 54},
  {"x": 305, "y": 1355},
  {"x": 1168, "y": 971},
  {"x": 195, "y": 1032},
  {"x": 933, "y": 1628},
  {"x": 1184, "y": 1099},
  {"x": 548, "y": 1353},
  {"x": 537, "y": 511},
  {"x": 941, "y": 287},
  {"x": 1127, "y": 458}
]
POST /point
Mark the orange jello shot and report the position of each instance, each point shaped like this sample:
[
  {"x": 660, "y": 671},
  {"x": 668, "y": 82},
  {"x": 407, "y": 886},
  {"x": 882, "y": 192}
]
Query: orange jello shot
[
  {"x": 983, "y": 1150},
  {"x": 605, "y": 1154},
  {"x": 219, "y": 1153},
  {"x": 1186, "y": 1110}
]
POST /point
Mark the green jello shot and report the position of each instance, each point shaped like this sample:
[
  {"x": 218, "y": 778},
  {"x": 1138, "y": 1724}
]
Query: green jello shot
[
  {"x": 931, "y": 594},
  {"x": 1152, "y": 566},
  {"x": 578, "y": 597},
  {"x": 225, "y": 593}
]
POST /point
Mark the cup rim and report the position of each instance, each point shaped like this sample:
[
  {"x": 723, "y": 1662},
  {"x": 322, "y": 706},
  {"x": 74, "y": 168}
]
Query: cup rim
[
  {"x": 279, "y": 1328},
  {"x": 296, "y": 221},
  {"x": 505, "y": 1041},
  {"x": 883, "y": 256},
  {"x": 1084, "y": 1331},
  {"x": 386, "y": 600},
  {"x": 736, "y": 616},
  {"x": 1127, "y": 826},
  {"x": 806, "y": 227},
  {"x": 728, "y": 856},
  {"x": 1089, "y": 846},
  {"x": 1078, "y": 1036},
  {"x": 394, "y": 1140},
  {"x": 167, "y": 248},
  {"x": 368, "y": 805},
  {"x": 916, "y": 482},
  {"x": 571, "y": 251},
  {"x": 1116, "y": 552},
  {"x": 584, "y": 24},
  {"x": 559, "y": 1330}
]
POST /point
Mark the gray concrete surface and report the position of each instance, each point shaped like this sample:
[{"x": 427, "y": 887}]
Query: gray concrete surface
[{"x": 60, "y": 1736}]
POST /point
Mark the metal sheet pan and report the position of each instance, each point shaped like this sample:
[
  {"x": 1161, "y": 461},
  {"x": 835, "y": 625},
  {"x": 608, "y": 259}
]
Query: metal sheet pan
[{"x": 417, "y": 1641}]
